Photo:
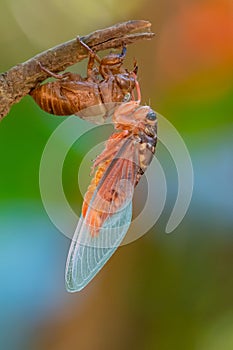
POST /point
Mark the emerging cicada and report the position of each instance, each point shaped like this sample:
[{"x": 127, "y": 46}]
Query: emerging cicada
[
  {"x": 106, "y": 84},
  {"x": 107, "y": 207}
]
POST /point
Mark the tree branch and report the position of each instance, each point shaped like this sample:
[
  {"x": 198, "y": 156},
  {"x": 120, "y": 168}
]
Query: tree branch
[{"x": 19, "y": 80}]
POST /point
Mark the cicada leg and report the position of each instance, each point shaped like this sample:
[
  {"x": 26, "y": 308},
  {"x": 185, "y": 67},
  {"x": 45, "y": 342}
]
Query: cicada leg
[
  {"x": 91, "y": 52},
  {"x": 51, "y": 74},
  {"x": 138, "y": 90},
  {"x": 60, "y": 76},
  {"x": 92, "y": 72}
]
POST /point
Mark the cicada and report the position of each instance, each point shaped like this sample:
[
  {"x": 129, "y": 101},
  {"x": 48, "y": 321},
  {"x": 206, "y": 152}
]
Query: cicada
[
  {"x": 107, "y": 206},
  {"x": 106, "y": 84}
]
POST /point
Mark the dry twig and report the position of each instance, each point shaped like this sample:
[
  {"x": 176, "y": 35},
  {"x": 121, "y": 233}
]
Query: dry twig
[{"x": 19, "y": 80}]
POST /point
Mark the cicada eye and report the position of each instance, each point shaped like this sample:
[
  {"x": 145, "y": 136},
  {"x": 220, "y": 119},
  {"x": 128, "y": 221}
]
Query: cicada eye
[
  {"x": 127, "y": 97},
  {"x": 151, "y": 115}
]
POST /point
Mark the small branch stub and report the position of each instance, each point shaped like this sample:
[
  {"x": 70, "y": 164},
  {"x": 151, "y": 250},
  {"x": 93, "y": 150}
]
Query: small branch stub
[{"x": 21, "y": 79}]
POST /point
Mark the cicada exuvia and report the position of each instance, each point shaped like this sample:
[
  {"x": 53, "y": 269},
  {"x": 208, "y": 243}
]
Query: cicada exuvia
[{"x": 106, "y": 84}]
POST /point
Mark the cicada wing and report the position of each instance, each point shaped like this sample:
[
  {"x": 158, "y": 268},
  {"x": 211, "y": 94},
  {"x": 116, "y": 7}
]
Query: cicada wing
[
  {"x": 98, "y": 113},
  {"x": 86, "y": 259},
  {"x": 92, "y": 245}
]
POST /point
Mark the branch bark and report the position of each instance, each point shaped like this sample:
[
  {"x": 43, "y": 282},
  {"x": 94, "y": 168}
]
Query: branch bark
[{"x": 20, "y": 79}]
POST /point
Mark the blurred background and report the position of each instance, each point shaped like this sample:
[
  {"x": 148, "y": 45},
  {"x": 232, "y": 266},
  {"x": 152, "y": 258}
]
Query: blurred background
[{"x": 162, "y": 291}]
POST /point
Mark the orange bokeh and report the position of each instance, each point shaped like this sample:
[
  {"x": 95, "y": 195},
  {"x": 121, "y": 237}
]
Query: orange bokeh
[{"x": 198, "y": 36}]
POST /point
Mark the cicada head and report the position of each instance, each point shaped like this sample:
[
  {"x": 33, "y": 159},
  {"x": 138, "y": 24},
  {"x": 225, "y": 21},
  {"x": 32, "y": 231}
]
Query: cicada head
[
  {"x": 148, "y": 121},
  {"x": 132, "y": 114}
]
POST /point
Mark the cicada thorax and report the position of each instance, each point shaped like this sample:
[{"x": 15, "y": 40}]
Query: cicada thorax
[
  {"x": 146, "y": 153},
  {"x": 141, "y": 123}
]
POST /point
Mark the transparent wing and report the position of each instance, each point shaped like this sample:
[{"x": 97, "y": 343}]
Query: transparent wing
[
  {"x": 85, "y": 260},
  {"x": 92, "y": 245},
  {"x": 98, "y": 113}
]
